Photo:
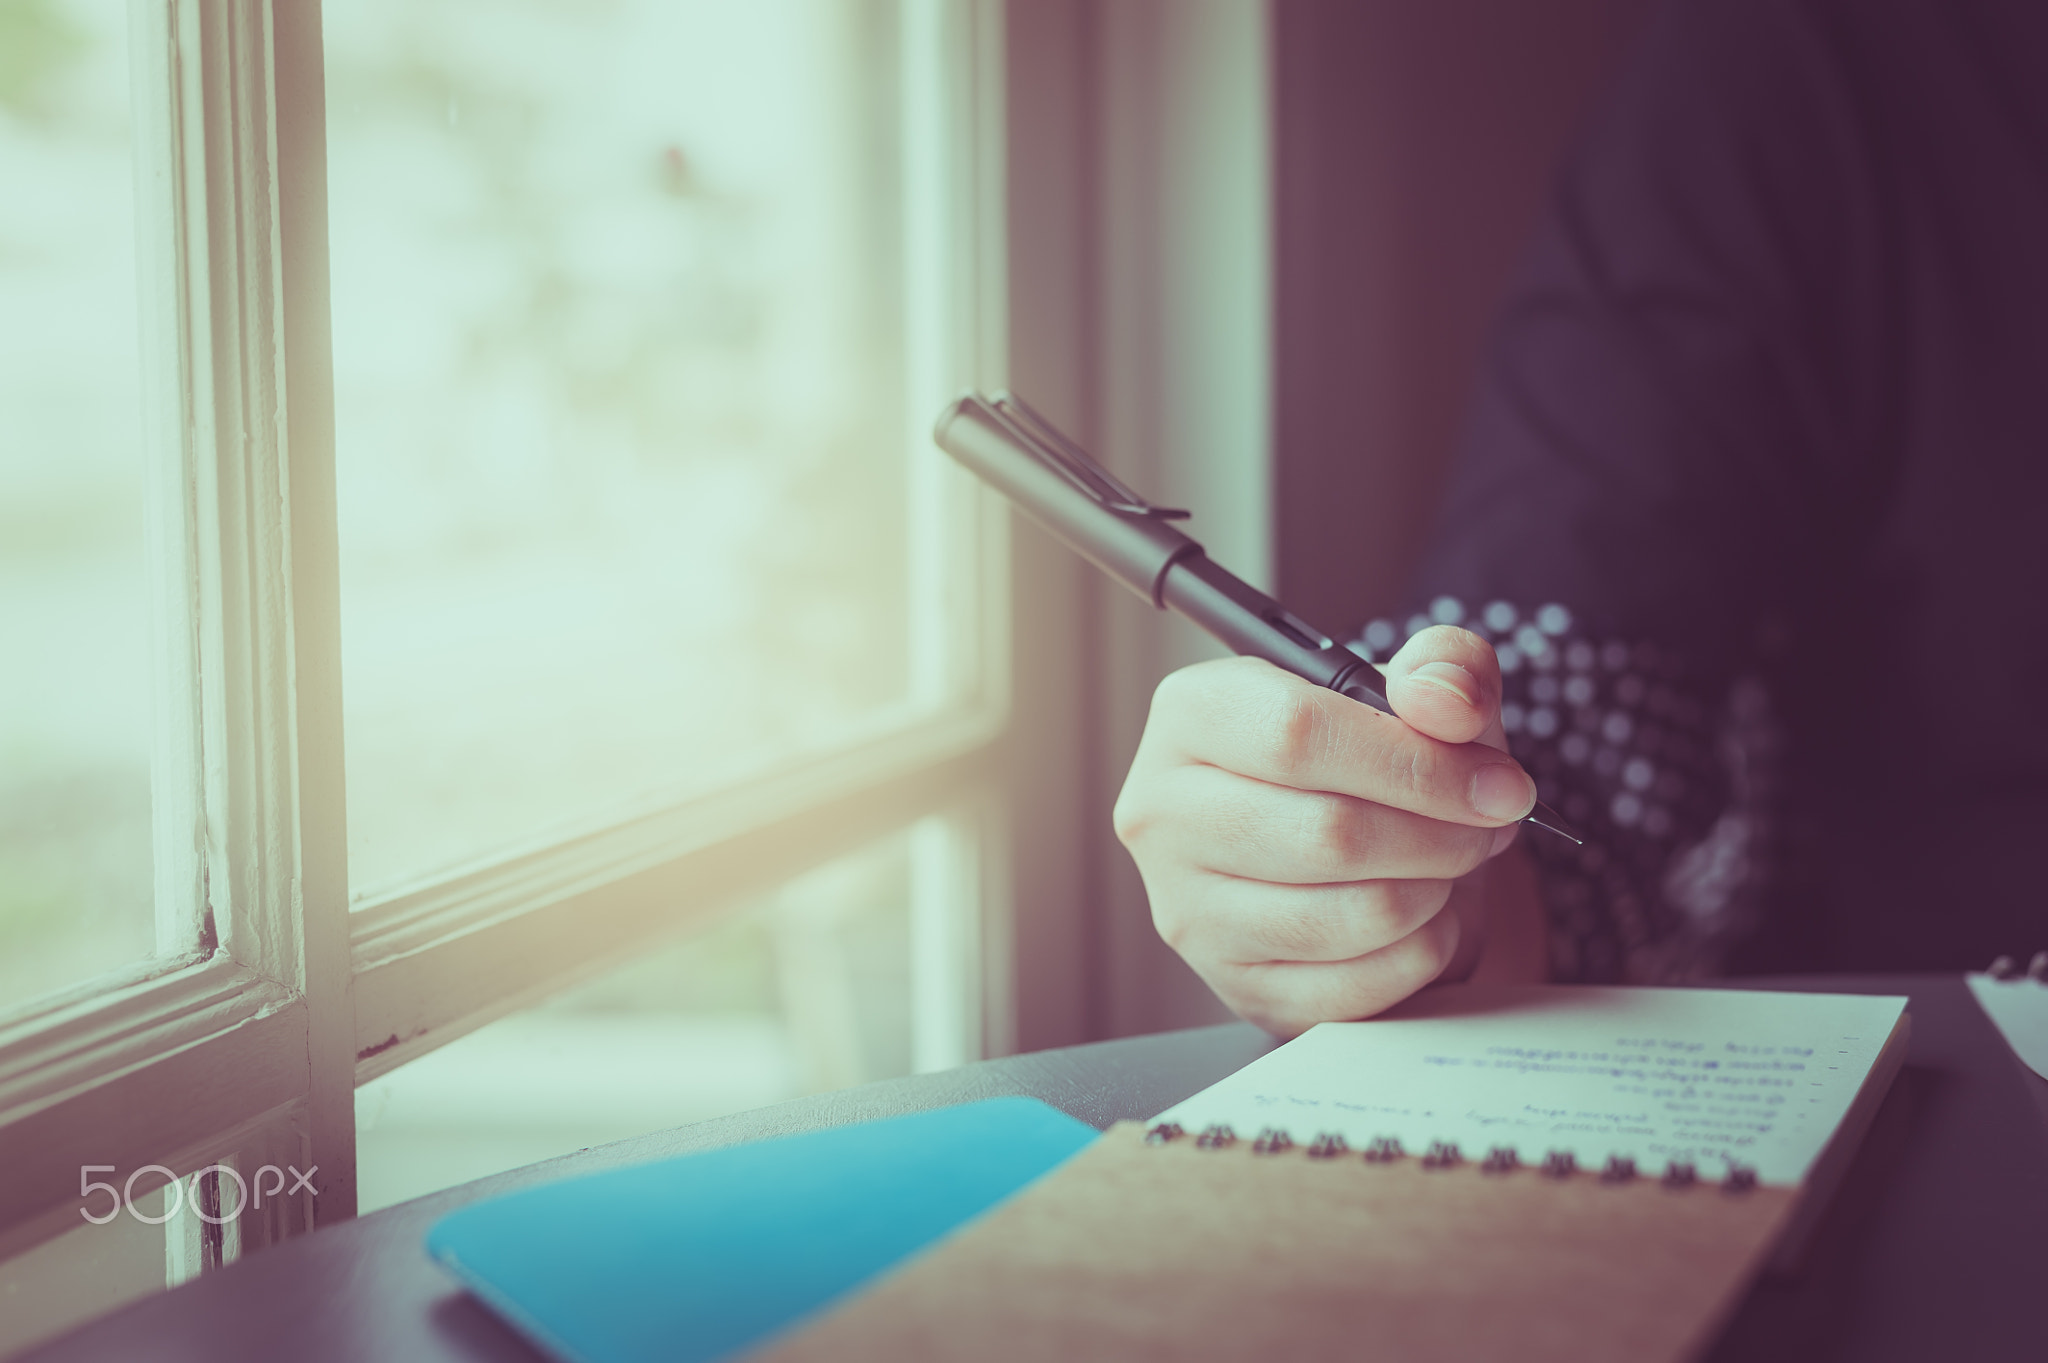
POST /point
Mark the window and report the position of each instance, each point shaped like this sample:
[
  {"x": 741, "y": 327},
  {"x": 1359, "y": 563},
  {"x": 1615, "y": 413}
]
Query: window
[
  {"x": 815, "y": 985},
  {"x": 527, "y": 548},
  {"x": 75, "y": 867},
  {"x": 522, "y": 543},
  {"x": 624, "y": 437}
]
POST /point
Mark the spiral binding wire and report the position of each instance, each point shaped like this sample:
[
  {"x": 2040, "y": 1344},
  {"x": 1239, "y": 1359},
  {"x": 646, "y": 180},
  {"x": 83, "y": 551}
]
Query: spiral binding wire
[
  {"x": 1441, "y": 1155},
  {"x": 1499, "y": 1159},
  {"x": 1272, "y": 1141}
]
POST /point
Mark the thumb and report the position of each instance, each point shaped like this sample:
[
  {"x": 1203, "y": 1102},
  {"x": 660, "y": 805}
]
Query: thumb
[{"x": 1445, "y": 682}]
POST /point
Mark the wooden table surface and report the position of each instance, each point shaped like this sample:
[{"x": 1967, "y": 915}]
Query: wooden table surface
[{"x": 1936, "y": 1247}]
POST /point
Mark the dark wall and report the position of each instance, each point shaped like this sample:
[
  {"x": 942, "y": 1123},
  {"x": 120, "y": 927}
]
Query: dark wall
[{"x": 1414, "y": 146}]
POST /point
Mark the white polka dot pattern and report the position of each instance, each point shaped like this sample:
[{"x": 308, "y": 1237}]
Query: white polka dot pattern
[{"x": 1674, "y": 794}]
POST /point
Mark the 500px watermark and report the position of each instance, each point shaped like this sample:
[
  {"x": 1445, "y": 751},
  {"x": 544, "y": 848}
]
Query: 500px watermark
[{"x": 209, "y": 1202}]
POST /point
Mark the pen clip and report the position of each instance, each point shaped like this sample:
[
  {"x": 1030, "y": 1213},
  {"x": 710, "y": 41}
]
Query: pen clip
[{"x": 1043, "y": 440}]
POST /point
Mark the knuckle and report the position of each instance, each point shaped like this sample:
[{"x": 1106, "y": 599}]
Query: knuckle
[
  {"x": 1381, "y": 907},
  {"x": 1334, "y": 839},
  {"x": 1430, "y": 950},
  {"x": 1173, "y": 928},
  {"x": 1196, "y": 706},
  {"x": 1379, "y": 910},
  {"x": 1297, "y": 734},
  {"x": 1414, "y": 771},
  {"x": 1283, "y": 1021},
  {"x": 1183, "y": 705},
  {"x": 1390, "y": 911},
  {"x": 1154, "y": 795},
  {"x": 1179, "y": 915},
  {"x": 1176, "y": 692},
  {"x": 1129, "y": 817},
  {"x": 1199, "y": 686},
  {"x": 1404, "y": 905},
  {"x": 1252, "y": 996},
  {"x": 1175, "y": 900}
]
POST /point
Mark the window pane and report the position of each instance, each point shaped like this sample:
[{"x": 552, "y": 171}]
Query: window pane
[
  {"x": 619, "y": 372},
  {"x": 74, "y": 643},
  {"x": 808, "y": 989},
  {"x": 86, "y": 1272}
]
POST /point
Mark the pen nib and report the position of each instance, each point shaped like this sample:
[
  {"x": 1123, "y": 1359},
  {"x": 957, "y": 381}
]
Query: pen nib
[{"x": 1544, "y": 817}]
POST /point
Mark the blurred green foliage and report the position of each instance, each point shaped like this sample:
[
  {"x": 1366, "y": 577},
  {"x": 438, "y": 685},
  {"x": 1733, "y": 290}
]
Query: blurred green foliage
[{"x": 37, "y": 40}]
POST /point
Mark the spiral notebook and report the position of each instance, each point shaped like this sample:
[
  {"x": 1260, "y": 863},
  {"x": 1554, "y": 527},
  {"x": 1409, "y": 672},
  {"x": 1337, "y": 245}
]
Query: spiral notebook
[{"x": 1525, "y": 1173}]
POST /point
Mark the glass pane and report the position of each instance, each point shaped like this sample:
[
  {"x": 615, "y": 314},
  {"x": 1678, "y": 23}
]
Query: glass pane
[
  {"x": 74, "y": 635},
  {"x": 87, "y": 1271},
  {"x": 809, "y": 989},
  {"x": 619, "y": 371}
]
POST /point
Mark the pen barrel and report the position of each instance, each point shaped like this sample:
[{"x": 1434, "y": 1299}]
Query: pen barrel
[
  {"x": 1248, "y": 621},
  {"x": 1134, "y": 549}
]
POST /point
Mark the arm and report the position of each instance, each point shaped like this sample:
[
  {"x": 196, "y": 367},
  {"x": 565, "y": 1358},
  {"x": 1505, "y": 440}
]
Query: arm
[
  {"x": 1676, "y": 398},
  {"x": 1681, "y": 434}
]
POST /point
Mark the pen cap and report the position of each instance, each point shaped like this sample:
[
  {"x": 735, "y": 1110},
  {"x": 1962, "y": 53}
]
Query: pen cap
[{"x": 1130, "y": 541}]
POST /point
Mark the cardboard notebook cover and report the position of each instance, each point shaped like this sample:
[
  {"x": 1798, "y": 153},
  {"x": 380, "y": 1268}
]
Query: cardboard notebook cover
[{"x": 1137, "y": 1250}]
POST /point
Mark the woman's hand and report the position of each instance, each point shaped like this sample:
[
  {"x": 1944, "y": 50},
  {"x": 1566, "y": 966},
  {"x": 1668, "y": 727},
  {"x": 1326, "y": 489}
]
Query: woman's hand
[{"x": 1300, "y": 848}]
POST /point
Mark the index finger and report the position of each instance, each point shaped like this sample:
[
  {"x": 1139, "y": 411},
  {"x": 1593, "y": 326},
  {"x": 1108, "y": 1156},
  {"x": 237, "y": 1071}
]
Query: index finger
[{"x": 1250, "y": 717}]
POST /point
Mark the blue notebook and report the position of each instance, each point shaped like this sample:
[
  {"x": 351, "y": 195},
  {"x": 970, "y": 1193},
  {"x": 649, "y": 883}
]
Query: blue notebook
[{"x": 702, "y": 1256}]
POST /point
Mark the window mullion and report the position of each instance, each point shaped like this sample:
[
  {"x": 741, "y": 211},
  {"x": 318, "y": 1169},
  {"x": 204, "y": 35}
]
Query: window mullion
[{"x": 255, "y": 460}]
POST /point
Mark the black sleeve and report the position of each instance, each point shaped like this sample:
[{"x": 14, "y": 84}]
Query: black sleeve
[
  {"x": 1675, "y": 796},
  {"x": 1665, "y": 416}
]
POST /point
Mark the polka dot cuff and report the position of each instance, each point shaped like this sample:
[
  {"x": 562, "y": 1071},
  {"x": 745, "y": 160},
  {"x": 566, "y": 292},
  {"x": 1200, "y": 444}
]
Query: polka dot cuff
[{"x": 1671, "y": 789}]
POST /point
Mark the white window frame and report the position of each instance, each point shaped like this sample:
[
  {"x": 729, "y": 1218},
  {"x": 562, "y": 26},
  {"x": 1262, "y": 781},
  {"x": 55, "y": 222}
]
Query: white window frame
[
  {"x": 1084, "y": 255},
  {"x": 270, "y": 1001}
]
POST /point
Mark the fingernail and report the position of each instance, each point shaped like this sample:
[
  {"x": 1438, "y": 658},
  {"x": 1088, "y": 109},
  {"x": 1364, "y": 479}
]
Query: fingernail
[
  {"x": 1450, "y": 677},
  {"x": 1501, "y": 790}
]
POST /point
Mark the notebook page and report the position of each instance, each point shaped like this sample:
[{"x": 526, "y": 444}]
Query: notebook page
[
  {"x": 1712, "y": 1076},
  {"x": 2019, "y": 1009}
]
